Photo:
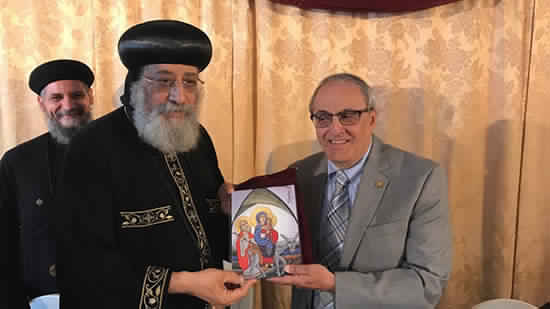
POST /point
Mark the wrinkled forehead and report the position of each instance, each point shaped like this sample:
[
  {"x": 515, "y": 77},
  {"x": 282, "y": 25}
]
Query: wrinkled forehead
[{"x": 338, "y": 95}]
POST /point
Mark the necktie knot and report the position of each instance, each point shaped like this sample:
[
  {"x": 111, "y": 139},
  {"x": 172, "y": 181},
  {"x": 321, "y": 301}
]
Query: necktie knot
[{"x": 341, "y": 178}]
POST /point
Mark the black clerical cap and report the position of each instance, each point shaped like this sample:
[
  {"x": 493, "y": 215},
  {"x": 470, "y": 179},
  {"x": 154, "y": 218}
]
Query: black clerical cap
[
  {"x": 164, "y": 41},
  {"x": 63, "y": 69}
]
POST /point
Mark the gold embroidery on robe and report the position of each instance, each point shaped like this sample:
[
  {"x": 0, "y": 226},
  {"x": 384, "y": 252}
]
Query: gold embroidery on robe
[
  {"x": 144, "y": 218},
  {"x": 154, "y": 283},
  {"x": 189, "y": 207}
]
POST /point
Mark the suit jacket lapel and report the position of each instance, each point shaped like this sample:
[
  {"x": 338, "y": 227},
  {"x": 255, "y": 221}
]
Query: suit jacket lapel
[
  {"x": 374, "y": 182},
  {"x": 319, "y": 180}
]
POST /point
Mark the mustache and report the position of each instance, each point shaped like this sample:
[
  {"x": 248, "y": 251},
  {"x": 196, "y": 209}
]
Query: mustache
[
  {"x": 74, "y": 112},
  {"x": 169, "y": 107}
]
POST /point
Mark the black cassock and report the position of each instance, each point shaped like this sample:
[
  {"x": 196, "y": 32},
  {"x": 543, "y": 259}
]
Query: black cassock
[
  {"x": 27, "y": 177},
  {"x": 131, "y": 215}
]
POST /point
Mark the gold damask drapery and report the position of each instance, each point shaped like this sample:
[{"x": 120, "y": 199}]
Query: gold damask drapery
[{"x": 464, "y": 83}]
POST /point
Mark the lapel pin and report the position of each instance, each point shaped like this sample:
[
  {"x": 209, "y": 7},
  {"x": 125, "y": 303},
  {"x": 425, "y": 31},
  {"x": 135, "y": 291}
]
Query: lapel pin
[
  {"x": 379, "y": 184},
  {"x": 39, "y": 202}
]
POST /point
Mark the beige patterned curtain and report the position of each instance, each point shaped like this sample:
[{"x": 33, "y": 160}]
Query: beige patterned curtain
[{"x": 464, "y": 83}]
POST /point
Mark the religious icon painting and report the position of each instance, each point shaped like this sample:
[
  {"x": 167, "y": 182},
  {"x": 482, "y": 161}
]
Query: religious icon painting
[{"x": 265, "y": 231}]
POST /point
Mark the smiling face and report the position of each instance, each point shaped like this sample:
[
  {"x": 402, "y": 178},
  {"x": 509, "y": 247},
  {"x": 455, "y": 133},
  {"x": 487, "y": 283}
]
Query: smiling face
[
  {"x": 343, "y": 145},
  {"x": 66, "y": 105},
  {"x": 67, "y": 102},
  {"x": 167, "y": 102},
  {"x": 172, "y": 87}
]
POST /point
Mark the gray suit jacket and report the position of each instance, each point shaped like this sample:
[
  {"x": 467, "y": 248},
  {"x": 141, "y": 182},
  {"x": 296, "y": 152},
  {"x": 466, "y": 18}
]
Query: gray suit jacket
[{"x": 397, "y": 248}]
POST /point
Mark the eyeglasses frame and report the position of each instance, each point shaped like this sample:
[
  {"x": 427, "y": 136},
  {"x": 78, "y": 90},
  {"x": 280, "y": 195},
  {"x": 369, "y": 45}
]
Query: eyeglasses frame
[{"x": 315, "y": 118}]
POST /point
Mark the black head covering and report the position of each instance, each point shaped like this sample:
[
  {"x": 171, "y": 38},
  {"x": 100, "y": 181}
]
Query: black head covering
[
  {"x": 63, "y": 69},
  {"x": 161, "y": 41},
  {"x": 164, "y": 41}
]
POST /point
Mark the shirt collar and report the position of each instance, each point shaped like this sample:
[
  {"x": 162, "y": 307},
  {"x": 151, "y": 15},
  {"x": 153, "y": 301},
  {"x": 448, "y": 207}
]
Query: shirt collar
[{"x": 353, "y": 171}]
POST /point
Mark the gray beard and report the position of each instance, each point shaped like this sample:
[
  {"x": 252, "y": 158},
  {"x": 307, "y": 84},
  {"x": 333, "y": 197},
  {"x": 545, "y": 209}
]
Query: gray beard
[
  {"x": 166, "y": 135},
  {"x": 63, "y": 135}
]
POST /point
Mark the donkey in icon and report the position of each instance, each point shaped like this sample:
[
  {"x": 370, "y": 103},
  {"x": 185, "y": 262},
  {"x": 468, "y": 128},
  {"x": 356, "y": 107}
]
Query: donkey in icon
[{"x": 285, "y": 246}]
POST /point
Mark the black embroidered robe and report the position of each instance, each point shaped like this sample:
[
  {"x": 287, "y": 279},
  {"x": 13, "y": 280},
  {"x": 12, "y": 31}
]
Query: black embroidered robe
[{"x": 129, "y": 217}]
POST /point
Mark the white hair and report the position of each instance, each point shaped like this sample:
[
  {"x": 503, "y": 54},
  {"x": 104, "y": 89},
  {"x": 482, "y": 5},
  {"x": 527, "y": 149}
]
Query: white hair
[{"x": 166, "y": 135}]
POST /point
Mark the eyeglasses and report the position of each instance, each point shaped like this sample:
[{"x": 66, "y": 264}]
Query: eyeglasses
[
  {"x": 166, "y": 84},
  {"x": 347, "y": 117}
]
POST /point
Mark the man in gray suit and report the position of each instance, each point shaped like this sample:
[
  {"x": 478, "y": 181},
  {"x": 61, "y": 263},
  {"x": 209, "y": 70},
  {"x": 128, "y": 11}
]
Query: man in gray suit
[{"x": 378, "y": 215}]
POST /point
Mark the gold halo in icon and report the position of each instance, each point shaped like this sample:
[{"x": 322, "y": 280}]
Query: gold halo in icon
[
  {"x": 268, "y": 213},
  {"x": 238, "y": 221}
]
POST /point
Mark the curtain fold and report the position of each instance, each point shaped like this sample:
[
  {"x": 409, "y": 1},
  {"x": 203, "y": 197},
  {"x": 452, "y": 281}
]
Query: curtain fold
[{"x": 532, "y": 276}]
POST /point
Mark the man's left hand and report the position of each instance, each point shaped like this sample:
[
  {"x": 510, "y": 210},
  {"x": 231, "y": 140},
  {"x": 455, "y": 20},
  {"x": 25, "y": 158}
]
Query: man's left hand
[{"x": 313, "y": 276}]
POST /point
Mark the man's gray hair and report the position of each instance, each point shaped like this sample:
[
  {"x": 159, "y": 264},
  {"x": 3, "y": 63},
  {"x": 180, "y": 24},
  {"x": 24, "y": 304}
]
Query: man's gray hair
[{"x": 347, "y": 77}]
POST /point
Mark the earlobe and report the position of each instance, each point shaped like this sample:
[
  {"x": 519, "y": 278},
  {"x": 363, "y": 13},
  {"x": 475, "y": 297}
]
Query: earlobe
[
  {"x": 40, "y": 102},
  {"x": 91, "y": 95},
  {"x": 373, "y": 117}
]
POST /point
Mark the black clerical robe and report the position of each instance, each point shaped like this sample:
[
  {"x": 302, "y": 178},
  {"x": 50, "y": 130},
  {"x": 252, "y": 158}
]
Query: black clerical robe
[
  {"x": 131, "y": 215},
  {"x": 27, "y": 178}
]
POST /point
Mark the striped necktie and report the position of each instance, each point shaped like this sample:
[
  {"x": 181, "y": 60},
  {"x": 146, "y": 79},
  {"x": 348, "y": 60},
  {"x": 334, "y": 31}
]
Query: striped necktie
[{"x": 333, "y": 231}]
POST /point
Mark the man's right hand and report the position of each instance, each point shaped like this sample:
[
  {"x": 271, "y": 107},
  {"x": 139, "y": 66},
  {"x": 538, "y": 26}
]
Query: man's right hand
[
  {"x": 211, "y": 285},
  {"x": 224, "y": 194}
]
